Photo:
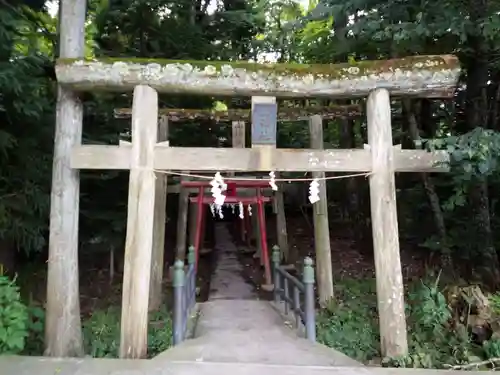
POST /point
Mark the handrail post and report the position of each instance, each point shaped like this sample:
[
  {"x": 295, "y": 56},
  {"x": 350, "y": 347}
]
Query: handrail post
[
  {"x": 178, "y": 283},
  {"x": 310, "y": 310},
  {"x": 276, "y": 275},
  {"x": 192, "y": 272}
]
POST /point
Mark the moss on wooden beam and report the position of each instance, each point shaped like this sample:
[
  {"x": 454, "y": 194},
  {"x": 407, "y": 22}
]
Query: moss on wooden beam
[
  {"x": 284, "y": 113},
  {"x": 429, "y": 76}
]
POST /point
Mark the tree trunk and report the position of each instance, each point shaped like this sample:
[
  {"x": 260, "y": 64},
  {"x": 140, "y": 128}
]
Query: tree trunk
[
  {"x": 347, "y": 141},
  {"x": 63, "y": 333},
  {"x": 477, "y": 63},
  {"x": 281, "y": 227},
  {"x": 485, "y": 250},
  {"x": 182, "y": 227},
  {"x": 446, "y": 261}
]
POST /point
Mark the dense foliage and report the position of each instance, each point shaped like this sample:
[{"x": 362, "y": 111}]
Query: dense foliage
[
  {"x": 21, "y": 327},
  {"x": 437, "y": 337},
  {"x": 101, "y": 333},
  {"x": 461, "y": 239},
  {"x": 13, "y": 318}
]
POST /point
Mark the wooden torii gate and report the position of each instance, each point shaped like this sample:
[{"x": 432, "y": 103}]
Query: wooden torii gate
[{"x": 431, "y": 76}]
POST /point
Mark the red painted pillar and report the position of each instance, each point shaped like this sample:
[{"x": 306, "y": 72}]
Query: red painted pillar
[
  {"x": 231, "y": 189},
  {"x": 263, "y": 237}
]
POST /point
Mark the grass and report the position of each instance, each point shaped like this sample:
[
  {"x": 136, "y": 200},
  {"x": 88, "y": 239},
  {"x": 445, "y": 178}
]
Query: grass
[
  {"x": 350, "y": 325},
  {"x": 101, "y": 332}
]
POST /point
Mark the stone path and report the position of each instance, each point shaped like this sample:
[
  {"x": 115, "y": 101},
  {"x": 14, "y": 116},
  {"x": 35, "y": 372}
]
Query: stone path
[
  {"x": 227, "y": 282},
  {"x": 236, "y": 327}
]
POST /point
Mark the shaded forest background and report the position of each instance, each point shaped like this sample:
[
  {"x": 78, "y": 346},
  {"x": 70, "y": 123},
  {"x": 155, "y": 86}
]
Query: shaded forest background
[{"x": 449, "y": 224}]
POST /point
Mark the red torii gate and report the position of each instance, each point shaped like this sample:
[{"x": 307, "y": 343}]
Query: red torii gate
[{"x": 231, "y": 197}]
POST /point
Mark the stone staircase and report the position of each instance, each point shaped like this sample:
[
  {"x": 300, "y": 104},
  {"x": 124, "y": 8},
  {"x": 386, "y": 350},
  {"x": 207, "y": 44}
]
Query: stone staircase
[{"x": 234, "y": 326}]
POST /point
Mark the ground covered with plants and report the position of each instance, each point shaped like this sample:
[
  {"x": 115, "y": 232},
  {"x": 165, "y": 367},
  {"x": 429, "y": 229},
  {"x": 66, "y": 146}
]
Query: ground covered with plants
[
  {"x": 22, "y": 327},
  {"x": 452, "y": 324},
  {"x": 437, "y": 330}
]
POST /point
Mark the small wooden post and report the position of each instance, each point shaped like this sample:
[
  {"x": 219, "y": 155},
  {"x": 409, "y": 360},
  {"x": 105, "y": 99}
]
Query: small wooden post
[
  {"x": 63, "y": 333},
  {"x": 256, "y": 234},
  {"x": 182, "y": 219},
  {"x": 393, "y": 337},
  {"x": 238, "y": 140},
  {"x": 321, "y": 227},
  {"x": 264, "y": 125},
  {"x": 264, "y": 136},
  {"x": 193, "y": 209},
  {"x": 238, "y": 135},
  {"x": 139, "y": 240},
  {"x": 155, "y": 288},
  {"x": 281, "y": 229},
  {"x": 203, "y": 226}
]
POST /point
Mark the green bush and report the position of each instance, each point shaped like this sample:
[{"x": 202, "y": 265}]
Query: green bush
[
  {"x": 491, "y": 348},
  {"x": 159, "y": 332},
  {"x": 350, "y": 324},
  {"x": 101, "y": 333},
  {"x": 36, "y": 325},
  {"x": 13, "y": 318},
  {"x": 432, "y": 340},
  {"x": 349, "y": 331}
]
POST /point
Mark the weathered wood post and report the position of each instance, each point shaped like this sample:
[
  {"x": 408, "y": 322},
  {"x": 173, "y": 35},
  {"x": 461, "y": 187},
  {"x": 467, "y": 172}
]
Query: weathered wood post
[
  {"x": 256, "y": 234},
  {"x": 264, "y": 126},
  {"x": 281, "y": 229},
  {"x": 182, "y": 220},
  {"x": 264, "y": 136},
  {"x": 238, "y": 141},
  {"x": 193, "y": 209},
  {"x": 139, "y": 240},
  {"x": 160, "y": 216},
  {"x": 385, "y": 226},
  {"x": 238, "y": 134},
  {"x": 63, "y": 334},
  {"x": 321, "y": 226}
]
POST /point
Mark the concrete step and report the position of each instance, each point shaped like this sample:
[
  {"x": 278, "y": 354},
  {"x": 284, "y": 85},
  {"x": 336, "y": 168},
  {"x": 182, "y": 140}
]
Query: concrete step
[{"x": 12, "y": 365}]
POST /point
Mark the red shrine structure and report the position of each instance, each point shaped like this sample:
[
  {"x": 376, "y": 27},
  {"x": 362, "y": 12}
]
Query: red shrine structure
[{"x": 232, "y": 198}]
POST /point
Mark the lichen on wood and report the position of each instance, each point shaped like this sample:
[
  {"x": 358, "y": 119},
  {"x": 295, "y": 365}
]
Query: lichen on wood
[
  {"x": 416, "y": 76},
  {"x": 284, "y": 113}
]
